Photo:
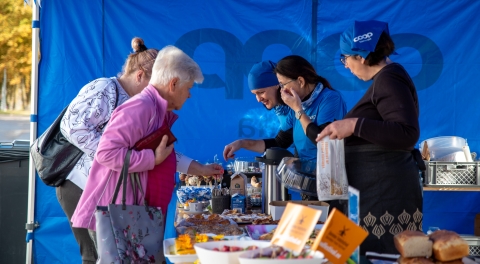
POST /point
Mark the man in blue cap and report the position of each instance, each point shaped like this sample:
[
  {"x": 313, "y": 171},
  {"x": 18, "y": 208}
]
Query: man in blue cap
[{"x": 263, "y": 83}]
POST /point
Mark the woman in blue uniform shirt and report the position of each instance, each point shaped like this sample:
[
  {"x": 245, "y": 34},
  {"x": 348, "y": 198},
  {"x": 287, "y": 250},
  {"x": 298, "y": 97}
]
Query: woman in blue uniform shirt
[{"x": 313, "y": 103}]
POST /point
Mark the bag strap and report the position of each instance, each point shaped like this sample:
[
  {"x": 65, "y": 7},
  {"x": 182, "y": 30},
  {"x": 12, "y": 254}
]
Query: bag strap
[
  {"x": 134, "y": 187},
  {"x": 123, "y": 178},
  {"x": 137, "y": 179},
  {"x": 135, "y": 182},
  {"x": 116, "y": 104}
]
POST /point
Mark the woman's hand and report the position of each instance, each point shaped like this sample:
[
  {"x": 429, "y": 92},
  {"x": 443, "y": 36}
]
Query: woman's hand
[
  {"x": 339, "y": 129},
  {"x": 291, "y": 98},
  {"x": 215, "y": 170},
  {"x": 229, "y": 150},
  {"x": 162, "y": 151}
]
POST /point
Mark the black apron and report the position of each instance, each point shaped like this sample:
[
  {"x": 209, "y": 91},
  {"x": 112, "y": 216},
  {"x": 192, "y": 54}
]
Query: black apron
[{"x": 391, "y": 198}]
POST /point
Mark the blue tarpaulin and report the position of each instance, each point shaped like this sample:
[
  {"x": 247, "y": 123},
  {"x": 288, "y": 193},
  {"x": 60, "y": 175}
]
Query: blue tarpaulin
[{"x": 83, "y": 40}]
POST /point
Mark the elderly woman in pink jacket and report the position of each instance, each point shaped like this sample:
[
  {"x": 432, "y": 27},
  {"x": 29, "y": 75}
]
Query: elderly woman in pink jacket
[{"x": 173, "y": 75}]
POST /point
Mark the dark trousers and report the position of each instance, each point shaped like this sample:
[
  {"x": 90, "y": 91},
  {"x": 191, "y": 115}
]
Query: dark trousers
[{"x": 68, "y": 196}]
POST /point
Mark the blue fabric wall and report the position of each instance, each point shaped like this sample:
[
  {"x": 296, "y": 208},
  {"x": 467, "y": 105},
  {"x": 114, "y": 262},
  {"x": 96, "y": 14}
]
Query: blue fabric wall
[{"x": 84, "y": 40}]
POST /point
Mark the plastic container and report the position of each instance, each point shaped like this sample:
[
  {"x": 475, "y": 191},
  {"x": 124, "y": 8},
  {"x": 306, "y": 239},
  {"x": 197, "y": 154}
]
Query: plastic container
[
  {"x": 443, "y": 148},
  {"x": 246, "y": 165},
  {"x": 248, "y": 258},
  {"x": 168, "y": 245},
  {"x": 298, "y": 175},
  {"x": 220, "y": 203},
  {"x": 473, "y": 244},
  {"x": 206, "y": 254},
  {"x": 465, "y": 174}
]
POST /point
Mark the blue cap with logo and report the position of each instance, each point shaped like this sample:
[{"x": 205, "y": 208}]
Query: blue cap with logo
[
  {"x": 262, "y": 75},
  {"x": 362, "y": 37}
]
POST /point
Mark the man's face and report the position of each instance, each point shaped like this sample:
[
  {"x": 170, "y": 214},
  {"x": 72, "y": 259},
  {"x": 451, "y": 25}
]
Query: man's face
[{"x": 267, "y": 96}]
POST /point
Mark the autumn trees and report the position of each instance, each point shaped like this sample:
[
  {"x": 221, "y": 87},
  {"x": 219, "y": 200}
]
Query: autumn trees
[{"x": 15, "y": 53}]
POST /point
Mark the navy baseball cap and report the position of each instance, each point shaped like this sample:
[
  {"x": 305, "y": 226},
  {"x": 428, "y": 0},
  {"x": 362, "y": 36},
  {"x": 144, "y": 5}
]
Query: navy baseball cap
[
  {"x": 362, "y": 37},
  {"x": 262, "y": 75}
]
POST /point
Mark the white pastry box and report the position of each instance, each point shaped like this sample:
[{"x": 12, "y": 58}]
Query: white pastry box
[{"x": 277, "y": 208}]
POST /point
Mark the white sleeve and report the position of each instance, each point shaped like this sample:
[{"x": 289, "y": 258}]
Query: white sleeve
[
  {"x": 83, "y": 121},
  {"x": 183, "y": 162}
]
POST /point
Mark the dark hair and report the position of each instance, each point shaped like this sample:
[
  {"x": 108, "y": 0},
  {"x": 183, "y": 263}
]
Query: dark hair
[
  {"x": 278, "y": 95},
  {"x": 294, "y": 66},
  {"x": 384, "y": 48},
  {"x": 141, "y": 59}
]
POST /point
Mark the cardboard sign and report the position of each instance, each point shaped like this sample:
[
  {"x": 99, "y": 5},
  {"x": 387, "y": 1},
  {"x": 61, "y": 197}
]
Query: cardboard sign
[
  {"x": 339, "y": 237},
  {"x": 295, "y": 227}
]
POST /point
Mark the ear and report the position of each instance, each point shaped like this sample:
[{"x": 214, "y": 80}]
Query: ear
[
  {"x": 301, "y": 81},
  {"x": 362, "y": 59},
  {"x": 173, "y": 84},
  {"x": 138, "y": 76}
]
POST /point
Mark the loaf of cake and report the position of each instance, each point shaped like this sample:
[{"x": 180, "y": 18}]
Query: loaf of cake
[
  {"x": 411, "y": 244},
  {"x": 448, "y": 246}
]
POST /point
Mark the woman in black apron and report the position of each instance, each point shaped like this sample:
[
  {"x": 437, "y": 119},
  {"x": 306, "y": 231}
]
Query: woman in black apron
[{"x": 380, "y": 133}]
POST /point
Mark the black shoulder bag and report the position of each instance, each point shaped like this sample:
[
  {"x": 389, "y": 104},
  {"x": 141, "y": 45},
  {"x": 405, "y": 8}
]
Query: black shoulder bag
[{"x": 53, "y": 155}]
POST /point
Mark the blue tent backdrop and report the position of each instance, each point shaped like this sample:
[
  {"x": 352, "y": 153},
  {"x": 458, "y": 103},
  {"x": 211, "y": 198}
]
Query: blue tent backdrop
[{"x": 84, "y": 40}]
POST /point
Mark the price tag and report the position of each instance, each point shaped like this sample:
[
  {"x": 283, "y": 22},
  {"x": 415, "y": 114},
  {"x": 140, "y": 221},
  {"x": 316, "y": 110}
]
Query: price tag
[
  {"x": 339, "y": 237},
  {"x": 295, "y": 227}
]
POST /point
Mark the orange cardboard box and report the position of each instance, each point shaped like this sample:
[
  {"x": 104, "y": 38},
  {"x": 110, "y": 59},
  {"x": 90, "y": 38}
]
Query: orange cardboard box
[
  {"x": 295, "y": 226},
  {"x": 339, "y": 237}
]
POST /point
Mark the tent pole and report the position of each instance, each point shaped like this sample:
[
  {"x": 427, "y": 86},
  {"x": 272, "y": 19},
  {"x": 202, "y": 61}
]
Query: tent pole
[{"x": 30, "y": 226}]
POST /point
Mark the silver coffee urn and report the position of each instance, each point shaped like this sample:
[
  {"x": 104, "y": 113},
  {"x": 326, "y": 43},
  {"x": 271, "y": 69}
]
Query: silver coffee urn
[{"x": 272, "y": 189}]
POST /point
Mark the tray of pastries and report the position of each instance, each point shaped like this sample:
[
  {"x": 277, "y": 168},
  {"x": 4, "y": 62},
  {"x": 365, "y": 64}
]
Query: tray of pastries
[
  {"x": 210, "y": 224},
  {"x": 241, "y": 218}
]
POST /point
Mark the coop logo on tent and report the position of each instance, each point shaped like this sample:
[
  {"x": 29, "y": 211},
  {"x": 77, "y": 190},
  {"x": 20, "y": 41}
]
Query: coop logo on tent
[{"x": 363, "y": 38}]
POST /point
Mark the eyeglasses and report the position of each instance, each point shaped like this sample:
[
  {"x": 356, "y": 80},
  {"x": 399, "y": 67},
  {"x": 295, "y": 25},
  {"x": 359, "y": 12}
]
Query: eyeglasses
[
  {"x": 343, "y": 58},
  {"x": 282, "y": 85}
]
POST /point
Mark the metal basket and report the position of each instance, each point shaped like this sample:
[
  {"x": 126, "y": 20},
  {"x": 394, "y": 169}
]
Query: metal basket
[
  {"x": 452, "y": 173},
  {"x": 474, "y": 245}
]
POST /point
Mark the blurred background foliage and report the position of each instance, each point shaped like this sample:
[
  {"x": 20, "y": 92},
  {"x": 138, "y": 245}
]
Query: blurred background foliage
[{"x": 15, "y": 54}]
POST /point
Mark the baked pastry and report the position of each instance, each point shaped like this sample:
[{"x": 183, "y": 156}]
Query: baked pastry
[
  {"x": 267, "y": 236},
  {"x": 412, "y": 244},
  {"x": 403, "y": 260},
  {"x": 456, "y": 261},
  {"x": 448, "y": 245}
]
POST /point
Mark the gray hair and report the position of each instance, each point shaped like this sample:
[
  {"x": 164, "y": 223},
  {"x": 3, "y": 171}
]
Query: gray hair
[{"x": 172, "y": 62}]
